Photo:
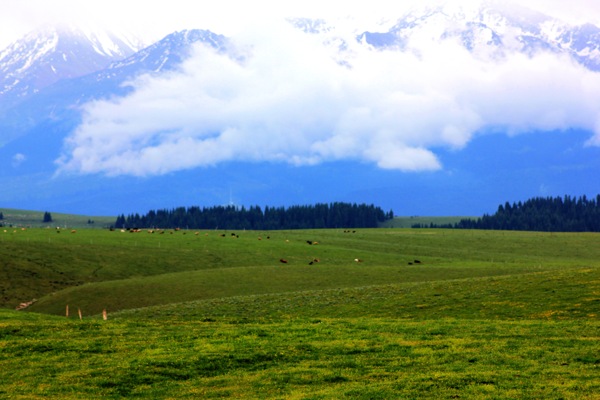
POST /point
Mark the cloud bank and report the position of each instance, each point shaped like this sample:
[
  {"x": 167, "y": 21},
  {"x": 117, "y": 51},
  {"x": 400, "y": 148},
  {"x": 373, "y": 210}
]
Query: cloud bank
[{"x": 297, "y": 100}]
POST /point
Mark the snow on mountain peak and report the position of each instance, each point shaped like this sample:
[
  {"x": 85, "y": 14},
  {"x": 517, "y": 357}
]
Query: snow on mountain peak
[
  {"x": 52, "y": 53},
  {"x": 491, "y": 28}
]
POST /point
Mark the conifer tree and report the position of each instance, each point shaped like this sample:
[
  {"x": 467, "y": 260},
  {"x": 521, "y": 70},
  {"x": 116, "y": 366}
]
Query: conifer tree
[{"x": 47, "y": 217}]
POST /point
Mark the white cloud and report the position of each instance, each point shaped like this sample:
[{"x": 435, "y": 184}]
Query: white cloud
[
  {"x": 18, "y": 159},
  {"x": 290, "y": 101}
]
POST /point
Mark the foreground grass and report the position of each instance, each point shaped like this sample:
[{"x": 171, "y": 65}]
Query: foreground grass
[
  {"x": 532, "y": 335},
  {"x": 369, "y": 358}
]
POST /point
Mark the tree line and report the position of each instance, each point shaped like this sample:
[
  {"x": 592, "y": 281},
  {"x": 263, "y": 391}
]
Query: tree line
[
  {"x": 546, "y": 214},
  {"x": 334, "y": 215}
]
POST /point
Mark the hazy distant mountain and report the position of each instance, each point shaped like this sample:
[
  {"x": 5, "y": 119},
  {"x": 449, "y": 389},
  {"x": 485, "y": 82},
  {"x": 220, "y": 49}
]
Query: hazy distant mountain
[
  {"x": 49, "y": 92},
  {"x": 493, "y": 30},
  {"x": 53, "y": 54},
  {"x": 46, "y": 76},
  {"x": 163, "y": 55}
]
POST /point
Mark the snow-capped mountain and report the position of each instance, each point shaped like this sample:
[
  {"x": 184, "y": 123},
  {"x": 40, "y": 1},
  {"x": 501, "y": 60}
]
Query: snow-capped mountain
[
  {"x": 492, "y": 30},
  {"x": 48, "y": 75},
  {"x": 57, "y": 102},
  {"x": 70, "y": 57},
  {"x": 50, "y": 55},
  {"x": 163, "y": 55}
]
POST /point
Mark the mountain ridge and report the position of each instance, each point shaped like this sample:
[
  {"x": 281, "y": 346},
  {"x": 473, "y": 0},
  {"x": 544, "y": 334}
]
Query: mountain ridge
[
  {"x": 36, "y": 119},
  {"x": 51, "y": 54},
  {"x": 500, "y": 28}
]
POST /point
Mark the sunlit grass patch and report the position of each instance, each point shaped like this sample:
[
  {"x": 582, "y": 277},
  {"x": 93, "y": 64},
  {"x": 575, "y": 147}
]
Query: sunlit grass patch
[{"x": 326, "y": 357}]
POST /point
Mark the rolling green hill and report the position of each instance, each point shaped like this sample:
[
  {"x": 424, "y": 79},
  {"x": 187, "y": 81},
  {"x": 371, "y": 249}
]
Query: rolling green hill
[
  {"x": 101, "y": 268},
  {"x": 366, "y": 314},
  {"x": 409, "y": 222},
  {"x": 34, "y": 219}
]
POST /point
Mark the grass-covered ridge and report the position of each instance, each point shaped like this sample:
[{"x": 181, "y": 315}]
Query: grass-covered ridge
[
  {"x": 421, "y": 221},
  {"x": 117, "y": 270},
  {"x": 484, "y": 314},
  {"x": 550, "y": 295},
  {"x": 17, "y": 218}
]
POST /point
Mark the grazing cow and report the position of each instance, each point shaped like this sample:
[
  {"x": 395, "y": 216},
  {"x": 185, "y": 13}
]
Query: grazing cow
[
  {"x": 358, "y": 260},
  {"x": 73, "y": 231},
  {"x": 281, "y": 260},
  {"x": 309, "y": 242},
  {"x": 417, "y": 262},
  {"x": 24, "y": 305}
]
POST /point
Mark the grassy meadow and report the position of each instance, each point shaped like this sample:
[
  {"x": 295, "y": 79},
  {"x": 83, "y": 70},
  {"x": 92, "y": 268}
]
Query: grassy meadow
[
  {"x": 350, "y": 314},
  {"x": 410, "y": 221},
  {"x": 35, "y": 219}
]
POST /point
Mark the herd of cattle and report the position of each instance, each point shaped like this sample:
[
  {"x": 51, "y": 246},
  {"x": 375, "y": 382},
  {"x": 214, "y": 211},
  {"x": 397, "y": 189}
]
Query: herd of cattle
[
  {"x": 196, "y": 233},
  {"x": 235, "y": 235}
]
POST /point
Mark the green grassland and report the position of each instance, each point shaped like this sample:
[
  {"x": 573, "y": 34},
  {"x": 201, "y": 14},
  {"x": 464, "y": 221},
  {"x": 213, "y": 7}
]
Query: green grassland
[
  {"x": 215, "y": 314},
  {"x": 409, "y": 222},
  {"x": 27, "y": 218}
]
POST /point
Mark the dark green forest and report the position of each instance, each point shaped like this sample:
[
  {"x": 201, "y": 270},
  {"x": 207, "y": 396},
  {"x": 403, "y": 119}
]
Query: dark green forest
[
  {"x": 334, "y": 215},
  {"x": 546, "y": 214}
]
